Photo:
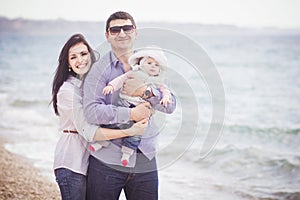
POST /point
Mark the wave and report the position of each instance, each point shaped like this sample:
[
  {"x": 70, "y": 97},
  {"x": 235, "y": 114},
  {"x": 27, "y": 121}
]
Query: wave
[
  {"x": 287, "y": 195},
  {"x": 261, "y": 130},
  {"x": 260, "y": 195},
  {"x": 232, "y": 156},
  {"x": 255, "y": 172},
  {"x": 28, "y": 103}
]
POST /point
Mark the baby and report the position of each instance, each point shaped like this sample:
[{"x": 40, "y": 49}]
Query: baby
[{"x": 149, "y": 63}]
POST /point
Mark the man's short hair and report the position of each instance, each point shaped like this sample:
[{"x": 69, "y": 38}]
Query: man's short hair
[{"x": 119, "y": 15}]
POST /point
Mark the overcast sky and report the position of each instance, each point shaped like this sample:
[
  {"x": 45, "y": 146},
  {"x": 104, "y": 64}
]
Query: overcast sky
[{"x": 246, "y": 13}]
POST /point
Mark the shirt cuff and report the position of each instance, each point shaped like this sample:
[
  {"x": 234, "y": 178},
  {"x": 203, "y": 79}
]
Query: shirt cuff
[
  {"x": 155, "y": 99},
  {"x": 89, "y": 132},
  {"x": 155, "y": 91}
]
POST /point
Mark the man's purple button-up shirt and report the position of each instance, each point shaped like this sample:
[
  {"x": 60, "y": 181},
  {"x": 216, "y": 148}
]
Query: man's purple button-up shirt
[{"x": 101, "y": 109}]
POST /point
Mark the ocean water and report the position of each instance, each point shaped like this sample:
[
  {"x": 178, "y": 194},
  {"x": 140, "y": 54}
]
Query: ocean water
[{"x": 257, "y": 154}]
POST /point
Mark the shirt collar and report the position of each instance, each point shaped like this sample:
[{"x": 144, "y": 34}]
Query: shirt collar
[
  {"x": 77, "y": 82},
  {"x": 114, "y": 59}
]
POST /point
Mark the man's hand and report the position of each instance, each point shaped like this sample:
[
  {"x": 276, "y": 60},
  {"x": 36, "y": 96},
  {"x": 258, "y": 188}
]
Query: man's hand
[
  {"x": 134, "y": 86},
  {"x": 108, "y": 90},
  {"x": 140, "y": 112}
]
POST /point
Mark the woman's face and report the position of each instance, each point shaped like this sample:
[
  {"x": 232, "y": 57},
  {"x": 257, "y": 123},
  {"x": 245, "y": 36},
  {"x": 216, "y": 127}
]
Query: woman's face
[{"x": 79, "y": 59}]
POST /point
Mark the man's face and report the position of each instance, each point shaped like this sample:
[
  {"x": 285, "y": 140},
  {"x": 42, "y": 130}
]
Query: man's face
[{"x": 124, "y": 39}]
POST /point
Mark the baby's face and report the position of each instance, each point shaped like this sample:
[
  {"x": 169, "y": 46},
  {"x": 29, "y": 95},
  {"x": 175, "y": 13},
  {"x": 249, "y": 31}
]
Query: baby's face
[{"x": 151, "y": 66}]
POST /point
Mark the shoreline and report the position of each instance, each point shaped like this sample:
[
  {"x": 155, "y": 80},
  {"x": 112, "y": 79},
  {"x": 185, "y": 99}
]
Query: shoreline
[{"x": 19, "y": 179}]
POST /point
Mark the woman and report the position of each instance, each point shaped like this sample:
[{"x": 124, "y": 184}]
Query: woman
[{"x": 71, "y": 155}]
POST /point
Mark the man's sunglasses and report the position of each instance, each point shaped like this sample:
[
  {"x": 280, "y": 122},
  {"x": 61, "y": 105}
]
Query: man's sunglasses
[{"x": 117, "y": 29}]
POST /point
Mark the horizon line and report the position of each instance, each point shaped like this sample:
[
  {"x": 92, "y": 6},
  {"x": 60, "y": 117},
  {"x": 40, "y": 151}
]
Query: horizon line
[{"x": 154, "y": 21}]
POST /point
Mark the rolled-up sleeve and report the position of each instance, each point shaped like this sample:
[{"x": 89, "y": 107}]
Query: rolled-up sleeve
[{"x": 155, "y": 102}]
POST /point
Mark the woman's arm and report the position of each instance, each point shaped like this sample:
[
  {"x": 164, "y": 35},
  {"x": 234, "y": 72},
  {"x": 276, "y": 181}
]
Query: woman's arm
[
  {"x": 103, "y": 134},
  {"x": 70, "y": 106}
]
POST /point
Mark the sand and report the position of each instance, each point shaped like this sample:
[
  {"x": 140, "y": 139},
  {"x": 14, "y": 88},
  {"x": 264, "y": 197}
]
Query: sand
[{"x": 20, "y": 180}]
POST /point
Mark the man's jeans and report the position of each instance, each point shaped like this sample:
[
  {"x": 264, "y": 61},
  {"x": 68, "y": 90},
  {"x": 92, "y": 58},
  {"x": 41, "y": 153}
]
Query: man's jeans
[
  {"x": 72, "y": 185},
  {"x": 105, "y": 182}
]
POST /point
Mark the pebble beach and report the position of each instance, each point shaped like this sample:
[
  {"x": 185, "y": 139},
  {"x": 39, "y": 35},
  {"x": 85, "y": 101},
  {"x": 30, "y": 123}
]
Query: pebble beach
[{"x": 20, "y": 180}]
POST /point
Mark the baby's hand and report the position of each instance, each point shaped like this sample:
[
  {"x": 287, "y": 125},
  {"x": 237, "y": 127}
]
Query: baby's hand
[
  {"x": 108, "y": 90},
  {"x": 166, "y": 100}
]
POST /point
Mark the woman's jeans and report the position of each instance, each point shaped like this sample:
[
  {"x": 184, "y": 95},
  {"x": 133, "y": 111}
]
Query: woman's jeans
[{"x": 72, "y": 185}]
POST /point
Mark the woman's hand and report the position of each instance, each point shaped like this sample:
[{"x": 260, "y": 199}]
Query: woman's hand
[{"x": 137, "y": 128}]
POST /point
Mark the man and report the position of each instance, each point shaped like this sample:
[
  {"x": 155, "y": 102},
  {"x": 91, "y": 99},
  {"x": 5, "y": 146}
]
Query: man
[{"x": 106, "y": 175}]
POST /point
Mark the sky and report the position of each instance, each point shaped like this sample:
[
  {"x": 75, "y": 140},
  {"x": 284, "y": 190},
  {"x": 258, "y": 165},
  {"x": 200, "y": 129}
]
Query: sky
[{"x": 243, "y": 13}]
